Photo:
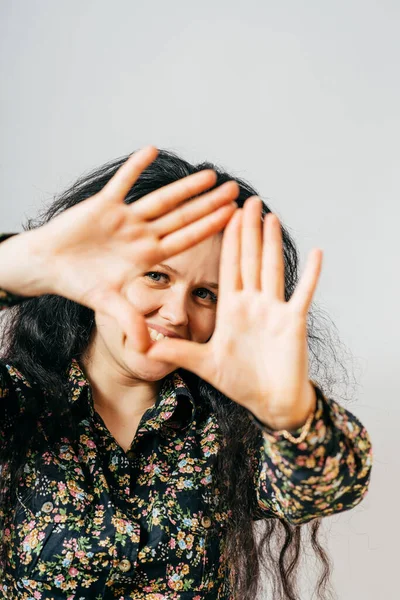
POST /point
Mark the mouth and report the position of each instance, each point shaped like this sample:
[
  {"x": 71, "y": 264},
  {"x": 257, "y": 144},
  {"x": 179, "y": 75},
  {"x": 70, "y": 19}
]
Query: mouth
[{"x": 156, "y": 335}]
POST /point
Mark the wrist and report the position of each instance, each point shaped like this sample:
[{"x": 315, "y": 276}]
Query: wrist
[{"x": 298, "y": 416}]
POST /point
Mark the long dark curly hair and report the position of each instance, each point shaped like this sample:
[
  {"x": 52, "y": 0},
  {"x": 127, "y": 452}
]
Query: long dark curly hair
[{"x": 42, "y": 334}]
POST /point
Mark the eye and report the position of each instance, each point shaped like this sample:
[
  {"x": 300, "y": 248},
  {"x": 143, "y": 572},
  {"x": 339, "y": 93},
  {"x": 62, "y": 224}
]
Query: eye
[
  {"x": 213, "y": 298},
  {"x": 155, "y": 273}
]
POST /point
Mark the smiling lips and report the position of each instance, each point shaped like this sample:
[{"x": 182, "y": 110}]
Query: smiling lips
[{"x": 158, "y": 333}]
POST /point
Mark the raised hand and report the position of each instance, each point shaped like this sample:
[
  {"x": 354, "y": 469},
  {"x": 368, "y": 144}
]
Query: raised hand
[
  {"x": 97, "y": 247},
  {"x": 258, "y": 354}
]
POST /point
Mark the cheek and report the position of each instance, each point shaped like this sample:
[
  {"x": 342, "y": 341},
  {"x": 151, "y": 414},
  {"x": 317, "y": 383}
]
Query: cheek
[
  {"x": 142, "y": 298},
  {"x": 108, "y": 334},
  {"x": 202, "y": 326}
]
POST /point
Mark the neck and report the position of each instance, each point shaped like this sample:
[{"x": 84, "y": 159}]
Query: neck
[{"x": 114, "y": 391}]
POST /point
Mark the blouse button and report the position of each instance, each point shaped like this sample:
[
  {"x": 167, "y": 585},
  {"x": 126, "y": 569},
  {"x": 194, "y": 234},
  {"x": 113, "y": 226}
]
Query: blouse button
[
  {"x": 47, "y": 507},
  {"x": 206, "y": 522},
  {"x": 124, "y": 565}
]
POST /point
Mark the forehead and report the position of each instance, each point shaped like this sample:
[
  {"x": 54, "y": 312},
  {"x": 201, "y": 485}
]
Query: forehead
[{"x": 200, "y": 261}]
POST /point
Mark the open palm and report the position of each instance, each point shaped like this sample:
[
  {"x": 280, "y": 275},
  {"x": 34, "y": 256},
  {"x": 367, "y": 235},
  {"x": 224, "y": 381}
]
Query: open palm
[
  {"x": 258, "y": 353},
  {"x": 96, "y": 248}
]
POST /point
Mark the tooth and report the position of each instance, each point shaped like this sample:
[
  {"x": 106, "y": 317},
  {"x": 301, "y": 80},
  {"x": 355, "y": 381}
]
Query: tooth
[{"x": 155, "y": 335}]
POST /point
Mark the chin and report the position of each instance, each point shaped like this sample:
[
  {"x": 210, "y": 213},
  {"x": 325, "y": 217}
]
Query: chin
[{"x": 153, "y": 370}]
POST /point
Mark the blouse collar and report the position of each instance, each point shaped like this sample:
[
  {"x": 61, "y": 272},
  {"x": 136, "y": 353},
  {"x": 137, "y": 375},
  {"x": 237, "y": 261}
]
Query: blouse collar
[{"x": 175, "y": 406}]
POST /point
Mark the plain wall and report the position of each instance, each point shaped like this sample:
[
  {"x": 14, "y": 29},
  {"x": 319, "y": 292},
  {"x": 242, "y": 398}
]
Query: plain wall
[{"x": 301, "y": 99}]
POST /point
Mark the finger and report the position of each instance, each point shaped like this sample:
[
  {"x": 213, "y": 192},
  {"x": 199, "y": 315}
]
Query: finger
[
  {"x": 196, "y": 232},
  {"x": 131, "y": 322},
  {"x": 195, "y": 209},
  {"x": 302, "y": 296},
  {"x": 185, "y": 354},
  {"x": 229, "y": 267},
  {"x": 273, "y": 267},
  {"x": 162, "y": 200},
  {"x": 251, "y": 244},
  {"x": 120, "y": 184}
]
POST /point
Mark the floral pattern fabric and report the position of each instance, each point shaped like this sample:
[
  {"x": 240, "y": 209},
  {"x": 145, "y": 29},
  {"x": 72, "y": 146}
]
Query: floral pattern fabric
[{"x": 102, "y": 523}]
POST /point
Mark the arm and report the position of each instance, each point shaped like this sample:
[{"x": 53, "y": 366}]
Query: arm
[
  {"x": 327, "y": 473},
  {"x": 21, "y": 265}
]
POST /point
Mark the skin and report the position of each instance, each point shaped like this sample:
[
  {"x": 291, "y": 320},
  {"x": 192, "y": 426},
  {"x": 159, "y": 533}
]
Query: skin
[{"x": 125, "y": 382}]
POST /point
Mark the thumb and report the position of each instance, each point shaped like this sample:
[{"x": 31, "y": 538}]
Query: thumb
[
  {"x": 131, "y": 322},
  {"x": 185, "y": 354}
]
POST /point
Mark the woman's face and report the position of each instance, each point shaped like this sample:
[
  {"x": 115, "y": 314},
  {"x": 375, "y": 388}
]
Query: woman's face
[{"x": 180, "y": 301}]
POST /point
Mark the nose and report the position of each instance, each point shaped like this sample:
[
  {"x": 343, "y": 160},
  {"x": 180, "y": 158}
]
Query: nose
[{"x": 174, "y": 309}]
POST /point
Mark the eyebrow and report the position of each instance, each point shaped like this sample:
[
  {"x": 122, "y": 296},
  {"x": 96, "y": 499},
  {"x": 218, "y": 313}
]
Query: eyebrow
[{"x": 210, "y": 284}]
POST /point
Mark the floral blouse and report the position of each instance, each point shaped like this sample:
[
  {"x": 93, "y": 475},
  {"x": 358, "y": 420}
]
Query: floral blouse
[{"x": 108, "y": 524}]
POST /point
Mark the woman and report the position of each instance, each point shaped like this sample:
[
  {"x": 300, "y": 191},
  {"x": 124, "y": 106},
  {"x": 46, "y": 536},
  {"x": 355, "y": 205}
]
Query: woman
[{"x": 136, "y": 466}]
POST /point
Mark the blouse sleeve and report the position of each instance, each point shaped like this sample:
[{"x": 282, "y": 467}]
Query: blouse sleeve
[{"x": 327, "y": 473}]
